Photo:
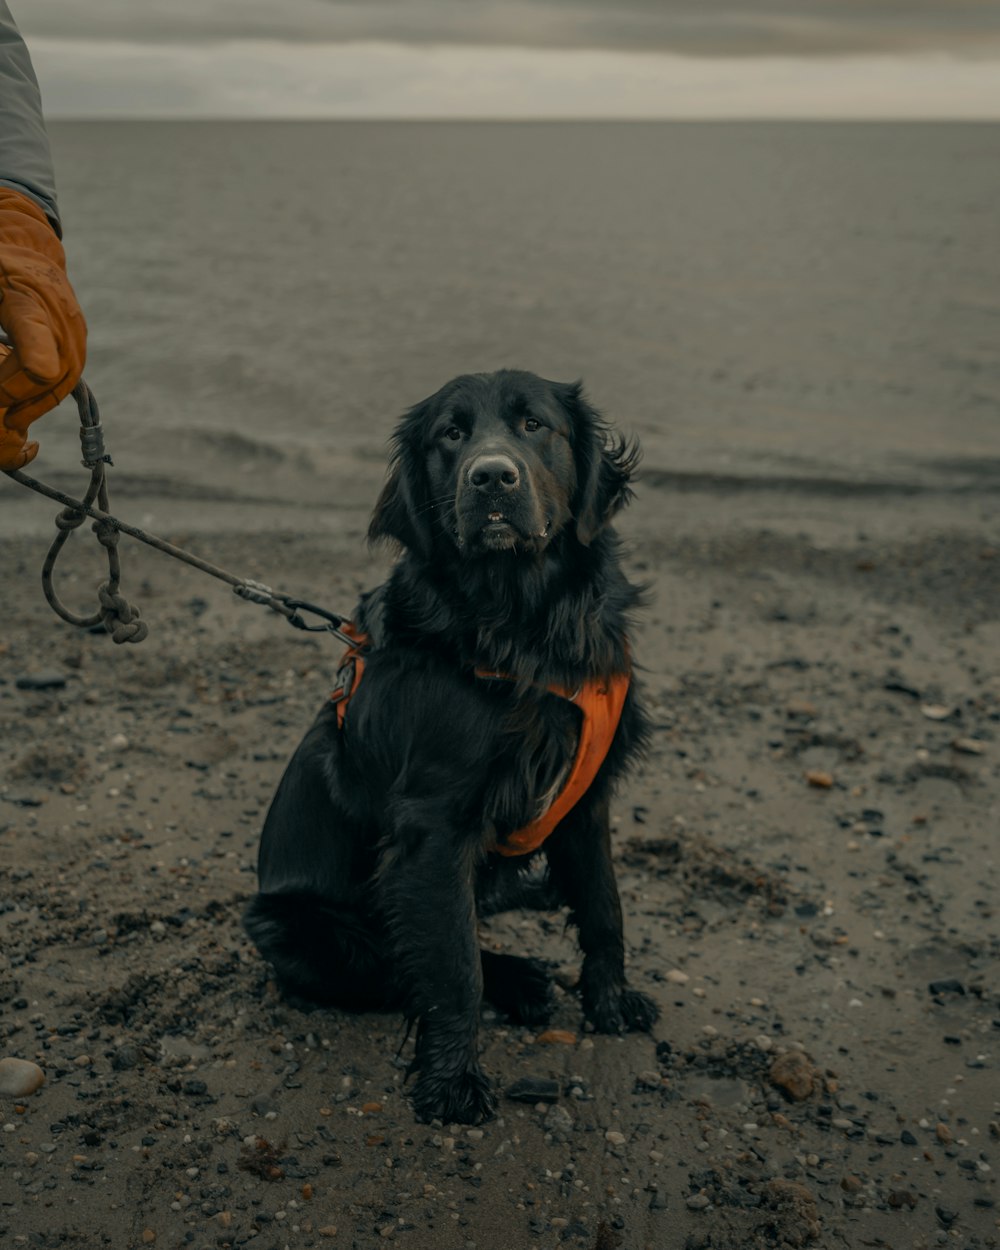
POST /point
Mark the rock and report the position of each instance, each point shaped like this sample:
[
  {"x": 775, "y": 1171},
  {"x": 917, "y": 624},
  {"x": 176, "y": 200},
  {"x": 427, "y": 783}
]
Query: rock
[
  {"x": 947, "y": 985},
  {"x": 20, "y": 1077},
  {"x": 48, "y": 679},
  {"x": 936, "y": 711},
  {"x": 943, "y": 1133},
  {"x": 794, "y": 1075},
  {"x": 125, "y": 1058},
  {"x": 800, "y": 707},
  {"x": 556, "y": 1037},
  {"x": 533, "y": 1089},
  {"x": 899, "y": 1198},
  {"x": 118, "y": 742},
  {"x": 968, "y": 746},
  {"x": 614, "y": 1138},
  {"x": 676, "y": 977},
  {"x": 698, "y": 1202},
  {"x": 558, "y": 1120},
  {"x": 819, "y": 779},
  {"x": 371, "y": 1108}
]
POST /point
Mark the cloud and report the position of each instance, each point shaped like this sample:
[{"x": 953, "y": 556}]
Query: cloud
[
  {"x": 697, "y": 27},
  {"x": 267, "y": 78}
]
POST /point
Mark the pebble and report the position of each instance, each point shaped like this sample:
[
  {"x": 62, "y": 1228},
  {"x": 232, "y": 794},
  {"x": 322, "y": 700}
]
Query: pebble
[
  {"x": 819, "y": 779},
  {"x": 48, "y": 679},
  {"x": 614, "y": 1137},
  {"x": 968, "y": 746},
  {"x": 558, "y": 1120},
  {"x": 794, "y": 1075},
  {"x": 20, "y": 1077},
  {"x": 676, "y": 977},
  {"x": 698, "y": 1202},
  {"x": 118, "y": 742},
  {"x": 327, "y": 1230},
  {"x": 534, "y": 1089},
  {"x": 556, "y": 1037},
  {"x": 936, "y": 711}
]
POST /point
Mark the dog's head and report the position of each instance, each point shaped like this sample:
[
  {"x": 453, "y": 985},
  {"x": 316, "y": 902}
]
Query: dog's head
[{"x": 502, "y": 461}]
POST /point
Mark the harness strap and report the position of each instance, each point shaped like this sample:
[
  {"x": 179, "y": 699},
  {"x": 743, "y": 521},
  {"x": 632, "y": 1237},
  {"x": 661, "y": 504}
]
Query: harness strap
[{"x": 600, "y": 701}]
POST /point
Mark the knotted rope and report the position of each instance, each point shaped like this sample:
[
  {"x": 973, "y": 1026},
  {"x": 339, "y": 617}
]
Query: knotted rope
[{"x": 119, "y": 617}]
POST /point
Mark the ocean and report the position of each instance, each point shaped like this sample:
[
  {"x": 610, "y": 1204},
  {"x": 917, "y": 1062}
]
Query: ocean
[{"x": 759, "y": 301}]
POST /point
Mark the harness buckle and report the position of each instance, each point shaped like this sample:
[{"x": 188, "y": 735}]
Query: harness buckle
[{"x": 344, "y": 681}]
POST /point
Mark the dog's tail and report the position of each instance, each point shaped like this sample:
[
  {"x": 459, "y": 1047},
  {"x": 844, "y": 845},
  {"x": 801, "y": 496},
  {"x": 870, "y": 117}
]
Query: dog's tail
[{"x": 329, "y": 954}]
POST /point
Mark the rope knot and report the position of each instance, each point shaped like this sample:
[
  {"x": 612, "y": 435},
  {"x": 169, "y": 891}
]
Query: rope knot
[
  {"x": 69, "y": 519},
  {"x": 121, "y": 618},
  {"x": 107, "y": 534}
]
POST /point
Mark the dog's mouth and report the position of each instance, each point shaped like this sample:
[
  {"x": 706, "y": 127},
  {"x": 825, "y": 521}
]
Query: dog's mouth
[{"x": 501, "y": 530}]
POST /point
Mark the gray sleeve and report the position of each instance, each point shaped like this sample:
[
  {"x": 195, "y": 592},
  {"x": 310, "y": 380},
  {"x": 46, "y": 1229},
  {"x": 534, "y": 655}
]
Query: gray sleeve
[{"x": 25, "y": 159}]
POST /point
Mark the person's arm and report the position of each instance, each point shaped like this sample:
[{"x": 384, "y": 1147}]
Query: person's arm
[
  {"x": 38, "y": 310},
  {"x": 25, "y": 160}
]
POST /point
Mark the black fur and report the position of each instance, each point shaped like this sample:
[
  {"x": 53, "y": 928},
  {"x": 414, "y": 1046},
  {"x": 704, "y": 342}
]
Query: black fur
[{"x": 375, "y": 856}]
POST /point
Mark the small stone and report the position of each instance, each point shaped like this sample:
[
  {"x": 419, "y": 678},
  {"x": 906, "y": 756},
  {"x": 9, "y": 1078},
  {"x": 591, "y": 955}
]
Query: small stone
[
  {"x": 614, "y": 1138},
  {"x": 556, "y": 1037},
  {"x": 118, "y": 742},
  {"x": 20, "y": 1077},
  {"x": 148, "y": 1236},
  {"x": 125, "y": 1058},
  {"x": 794, "y": 1075},
  {"x": 968, "y": 746},
  {"x": 899, "y": 1198},
  {"x": 650, "y": 1079},
  {"x": 534, "y": 1089},
  {"x": 819, "y": 779},
  {"x": 943, "y": 1133},
  {"x": 800, "y": 707},
  {"x": 698, "y": 1202},
  {"x": 82, "y": 1061},
  {"x": 946, "y": 985},
  {"x": 327, "y": 1230},
  {"x": 46, "y": 680},
  {"x": 371, "y": 1108},
  {"x": 558, "y": 1120},
  {"x": 676, "y": 977},
  {"x": 936, "y": 711}
]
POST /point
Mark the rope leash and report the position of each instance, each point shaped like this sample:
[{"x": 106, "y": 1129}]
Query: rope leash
[{"x": 119, "y": 617}]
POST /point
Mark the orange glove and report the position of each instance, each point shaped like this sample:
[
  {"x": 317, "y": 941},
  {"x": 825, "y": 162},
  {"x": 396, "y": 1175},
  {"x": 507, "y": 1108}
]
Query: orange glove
[{"x": 40, "y": 315}]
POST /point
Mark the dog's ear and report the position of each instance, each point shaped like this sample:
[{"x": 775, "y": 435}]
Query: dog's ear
[
  {"x": 401, "y": 511},
  {"x": 604, "y": 465}
]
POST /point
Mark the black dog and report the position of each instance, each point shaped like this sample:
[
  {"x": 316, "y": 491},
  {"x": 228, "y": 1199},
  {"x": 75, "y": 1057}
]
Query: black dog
[{"x": 495, "y": 659}]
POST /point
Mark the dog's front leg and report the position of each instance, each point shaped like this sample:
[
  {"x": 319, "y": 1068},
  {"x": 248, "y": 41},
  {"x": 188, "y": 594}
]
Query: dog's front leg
[
  {"x": 426, "y": 886},
  {"x": 579, "y": 855}
]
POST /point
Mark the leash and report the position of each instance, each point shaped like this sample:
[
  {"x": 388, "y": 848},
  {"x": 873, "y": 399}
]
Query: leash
[{"x": 119, "y": 617}]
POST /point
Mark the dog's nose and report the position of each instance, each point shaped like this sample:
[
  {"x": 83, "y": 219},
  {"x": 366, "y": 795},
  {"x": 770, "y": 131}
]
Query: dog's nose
[{"x": 494, "y": 473}]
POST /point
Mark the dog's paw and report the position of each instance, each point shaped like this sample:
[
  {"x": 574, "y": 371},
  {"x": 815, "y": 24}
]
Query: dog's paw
[
  {"x": 621, "y": 1011},
  {"x": 464, "y": 1099},
  {"x": 522, "y": 988}
]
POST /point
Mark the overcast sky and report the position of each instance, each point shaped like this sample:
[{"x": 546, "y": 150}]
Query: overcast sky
[{"x": 515, "y": 58}]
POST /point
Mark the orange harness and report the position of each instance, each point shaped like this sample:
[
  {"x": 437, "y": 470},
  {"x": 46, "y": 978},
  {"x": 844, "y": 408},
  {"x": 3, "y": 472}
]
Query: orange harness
[{"x": 601, "y": 702}]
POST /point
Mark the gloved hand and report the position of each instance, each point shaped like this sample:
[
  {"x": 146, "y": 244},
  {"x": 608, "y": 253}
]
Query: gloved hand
[{"x": 40, "y": 315}]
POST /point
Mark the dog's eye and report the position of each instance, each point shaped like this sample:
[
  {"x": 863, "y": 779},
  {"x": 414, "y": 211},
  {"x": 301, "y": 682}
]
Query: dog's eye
[
  {"x": 531, "y": 425},
  {"x": 452, "y": 434}
]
